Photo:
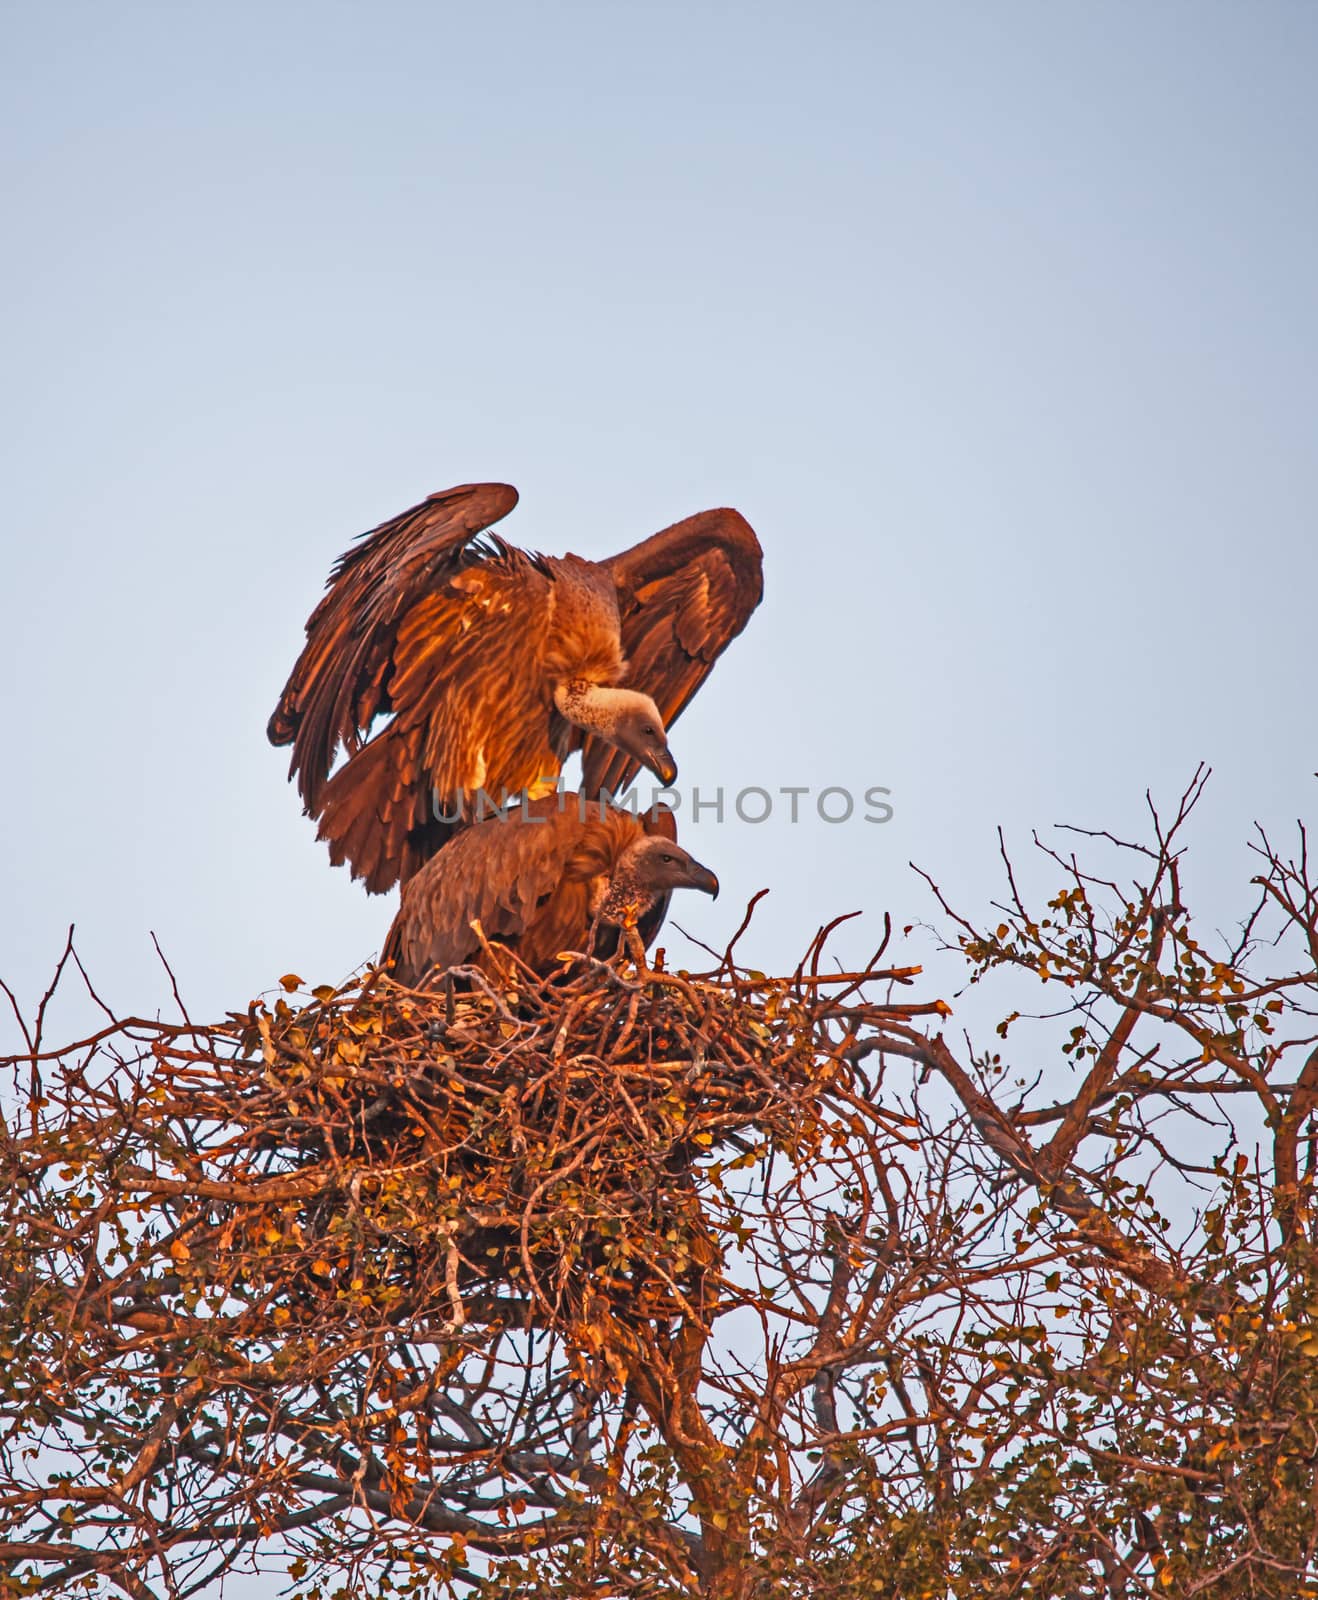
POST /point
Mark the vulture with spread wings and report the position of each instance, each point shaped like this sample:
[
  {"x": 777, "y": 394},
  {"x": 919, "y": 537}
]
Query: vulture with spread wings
[
  {"x": 493, "y": 666},
  {"x": 563, "y": 873}
]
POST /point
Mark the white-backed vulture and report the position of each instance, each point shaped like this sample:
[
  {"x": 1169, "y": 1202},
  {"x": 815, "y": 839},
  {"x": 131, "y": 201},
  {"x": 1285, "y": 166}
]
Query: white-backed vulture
[
  {"x": 495, "y": 665},
  {"x": 554, "y": 875}
]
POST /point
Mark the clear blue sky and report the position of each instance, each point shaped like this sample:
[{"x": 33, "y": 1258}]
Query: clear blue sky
[{"x": 998, "y": 322}]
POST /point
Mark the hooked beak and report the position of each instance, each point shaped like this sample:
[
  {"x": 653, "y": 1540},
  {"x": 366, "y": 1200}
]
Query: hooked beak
[
  {"x": 663, "y": 766},
  {"x": 703, "y": 879}
]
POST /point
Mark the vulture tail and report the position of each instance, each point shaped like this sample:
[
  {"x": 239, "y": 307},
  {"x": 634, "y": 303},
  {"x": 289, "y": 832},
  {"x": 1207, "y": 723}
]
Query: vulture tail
[{"x": 374, "y": 820}]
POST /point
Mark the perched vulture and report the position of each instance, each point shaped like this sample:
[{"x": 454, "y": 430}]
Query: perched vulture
[
  {"x": 496, "y": 665},
  {"x": 555, "y": 872}
]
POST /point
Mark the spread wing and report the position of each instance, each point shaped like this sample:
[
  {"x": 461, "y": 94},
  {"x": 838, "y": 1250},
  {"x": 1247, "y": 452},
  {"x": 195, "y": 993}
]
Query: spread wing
[
  {"x": 683, "y": 596},
  {"x": 342, "y": 679},
  {"x": 470, "y": 713},
  {"x": 444, "y": 631}
]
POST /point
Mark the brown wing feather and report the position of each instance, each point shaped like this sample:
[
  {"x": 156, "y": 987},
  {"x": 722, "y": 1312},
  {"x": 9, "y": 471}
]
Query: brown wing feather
[
  {"x": 341, "y": 680},
  {"x": 471, "y": 713},
  {"x": 376, "y": 817},
  {"x": 470, "y": 665},
  {"x": 683, "y": 595},
  {"x": 493, "y": 872},
  {"x": 527, "y": 880},
  {"x": 450, "y": 638}
]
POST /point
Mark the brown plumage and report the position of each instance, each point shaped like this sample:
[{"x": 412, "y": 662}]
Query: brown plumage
[
  {"x": 543, "y": 880},
  {"x": 496, "y": 665}
]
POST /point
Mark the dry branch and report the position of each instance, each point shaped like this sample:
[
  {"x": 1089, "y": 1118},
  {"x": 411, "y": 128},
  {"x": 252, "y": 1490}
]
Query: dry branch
[{"x": 634, "y": 1282}]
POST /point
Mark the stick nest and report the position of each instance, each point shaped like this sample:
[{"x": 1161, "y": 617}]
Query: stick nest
[
  {"x": 298, "y": 1186},
  {"x": 535, "y": 1142}
]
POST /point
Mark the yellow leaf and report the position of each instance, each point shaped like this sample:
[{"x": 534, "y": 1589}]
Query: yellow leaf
[
  {"x": 291, "y": 981},
  {"x": 180, "y": 1251}
]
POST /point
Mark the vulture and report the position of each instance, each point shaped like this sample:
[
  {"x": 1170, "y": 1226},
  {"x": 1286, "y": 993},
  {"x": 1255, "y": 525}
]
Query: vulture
[
  {"x": 492, "y": 666},
  {"x": 558, "y": 873}
]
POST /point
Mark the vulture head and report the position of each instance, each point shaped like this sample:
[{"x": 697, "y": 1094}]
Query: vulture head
[
  {"x": 647, "y": 872},
  {"x": 621, "y": 717}
]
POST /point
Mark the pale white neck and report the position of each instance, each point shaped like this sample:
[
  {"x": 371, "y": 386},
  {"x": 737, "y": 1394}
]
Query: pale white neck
[{"x": 599, "y": 708}]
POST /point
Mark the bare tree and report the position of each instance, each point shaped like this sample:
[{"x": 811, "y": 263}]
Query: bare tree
[{"x": 640, "y": 1283}]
